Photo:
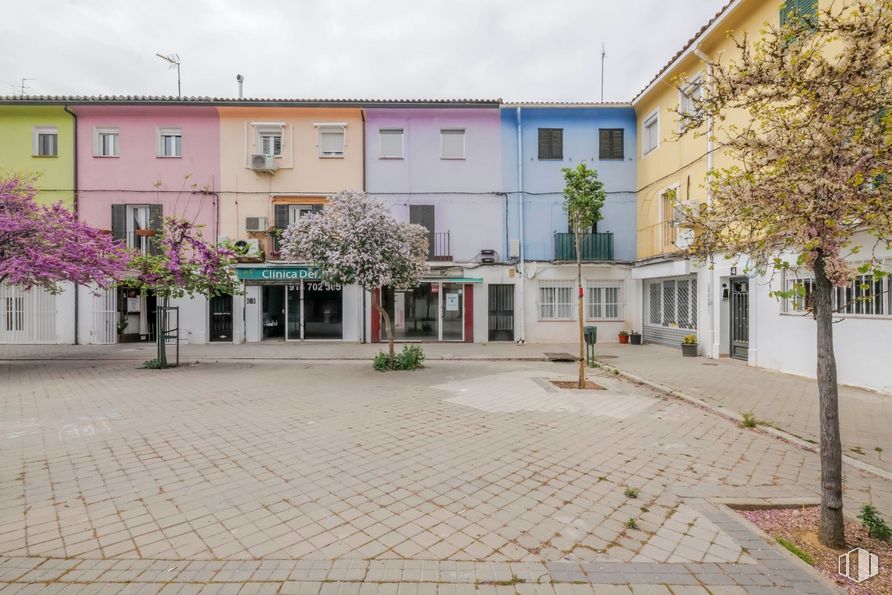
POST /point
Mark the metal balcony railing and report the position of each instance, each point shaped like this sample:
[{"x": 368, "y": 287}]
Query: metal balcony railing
[
  {"x": 594, "y": 246},
  {"x": 659, "y": 239}
]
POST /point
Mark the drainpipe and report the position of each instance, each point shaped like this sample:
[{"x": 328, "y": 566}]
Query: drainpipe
[
  {"x": 712, "y": 311},
  {"x": 362, "y": 289},
  {"x": 76, "y": 207},
  {"x": 522, "y": 318}
]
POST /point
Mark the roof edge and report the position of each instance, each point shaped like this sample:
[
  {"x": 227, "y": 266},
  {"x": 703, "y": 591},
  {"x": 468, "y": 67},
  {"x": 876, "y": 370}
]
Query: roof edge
[{"x": 249, "y": 102}]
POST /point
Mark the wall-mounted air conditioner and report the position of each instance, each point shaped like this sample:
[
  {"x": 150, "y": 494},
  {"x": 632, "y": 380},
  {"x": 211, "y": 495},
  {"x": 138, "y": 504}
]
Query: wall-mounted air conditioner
[
  {"x": 256, "y": 224},
  {"x": 265, "y": 163}
]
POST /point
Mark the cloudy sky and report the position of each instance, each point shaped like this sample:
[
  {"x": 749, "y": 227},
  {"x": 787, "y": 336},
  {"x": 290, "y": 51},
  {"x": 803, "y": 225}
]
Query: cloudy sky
[{"x": 513, "y": 49}]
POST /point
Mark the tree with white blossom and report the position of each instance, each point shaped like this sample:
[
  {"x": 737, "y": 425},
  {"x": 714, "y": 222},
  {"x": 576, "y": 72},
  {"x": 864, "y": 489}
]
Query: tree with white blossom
[
  {"x": 355, "y": 240},
  {"x": 809, "y": 174}
]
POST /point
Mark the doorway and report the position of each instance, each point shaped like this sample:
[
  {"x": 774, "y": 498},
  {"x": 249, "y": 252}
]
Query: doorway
[
  {"x": 303, "y": 311},
  {"x": 501, "y": 312},
  {"x": 740, "y": 314},
  {"x": 221, "y": 318},
  {"x": 432, "y": 311}
]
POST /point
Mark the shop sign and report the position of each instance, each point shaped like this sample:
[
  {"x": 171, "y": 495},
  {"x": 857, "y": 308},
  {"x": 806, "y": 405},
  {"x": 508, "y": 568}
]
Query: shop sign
[{"x": 277, "y": 273}]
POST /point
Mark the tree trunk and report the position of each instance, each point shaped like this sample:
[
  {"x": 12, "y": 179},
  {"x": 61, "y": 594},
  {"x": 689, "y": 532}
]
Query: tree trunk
[
  {"x": 831, "y": 532},
  {"x": 376, "y": 302},
  {"x": 579, "y": 298},
  {"x": 160, "y": 326}
]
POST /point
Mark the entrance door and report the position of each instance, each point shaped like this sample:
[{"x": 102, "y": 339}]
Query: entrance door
[
  {"x": 273, "y": 297},
  {"x": 452, "y": 308},
  {"x": 323, "y": 311},
  {"x": 221, "y": 318},
  {"x": 740, "y": 316},
  {"x": 501, "y": 312}
]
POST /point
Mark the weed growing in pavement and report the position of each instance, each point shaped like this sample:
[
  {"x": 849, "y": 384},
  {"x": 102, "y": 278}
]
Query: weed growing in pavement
[
  {"x": 632, "y": 523},
  {"x": 631, "y": 492},
  {"x": 796, "y": 551},
  {"x": 749, "y": 420}
]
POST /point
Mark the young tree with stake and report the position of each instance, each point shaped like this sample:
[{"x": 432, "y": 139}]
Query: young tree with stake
[
  {"x": 583, "y": 200},
  {"x": 809, "y": 175},
  {"x": 355, "y": 240}
]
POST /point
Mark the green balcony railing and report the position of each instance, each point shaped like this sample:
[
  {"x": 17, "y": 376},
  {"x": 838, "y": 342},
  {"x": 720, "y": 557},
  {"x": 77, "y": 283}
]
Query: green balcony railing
[{"x": 595, "y": 246}]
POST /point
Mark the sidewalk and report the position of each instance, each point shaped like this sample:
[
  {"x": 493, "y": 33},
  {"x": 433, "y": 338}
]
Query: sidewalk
[{"x": 785, "y": 401}]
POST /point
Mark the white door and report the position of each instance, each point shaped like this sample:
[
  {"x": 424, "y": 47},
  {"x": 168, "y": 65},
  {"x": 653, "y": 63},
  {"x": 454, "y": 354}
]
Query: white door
[
  {"x": 27, "y": 316},
  {"x": 105, "y": 317}
]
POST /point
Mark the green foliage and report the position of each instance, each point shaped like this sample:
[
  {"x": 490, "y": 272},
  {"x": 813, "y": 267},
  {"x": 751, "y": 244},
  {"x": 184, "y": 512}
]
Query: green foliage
[
  {"x": 624, "y": 333},
  {"x": 632, "y": 523},
  {"x": 584, "y": 197},
  {"x": 796, "y": 551},
  {"x": 874, "y": 523},
  {"x": 631, "y": 492},
  {"x": 410, "y": 358},
  {"x": 689, "y": 340},
  {"x": 152, "y": 364},
  {"x": 749, "y": 421}
]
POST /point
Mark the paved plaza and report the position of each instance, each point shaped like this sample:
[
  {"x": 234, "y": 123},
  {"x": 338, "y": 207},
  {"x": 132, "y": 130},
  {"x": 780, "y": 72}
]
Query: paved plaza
[{"x": 273, "y": 476}]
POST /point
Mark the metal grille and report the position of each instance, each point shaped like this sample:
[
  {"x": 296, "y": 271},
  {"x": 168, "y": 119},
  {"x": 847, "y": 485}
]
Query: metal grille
[
  {"x": 655, "y": 304},
  {"x": 105, "y": 317},
  {"x": 27, "y": 316},
  {"x": 684, "y": 304},
  {"x": 603, "y": 300},
  {"x": 672, "y": 303}
]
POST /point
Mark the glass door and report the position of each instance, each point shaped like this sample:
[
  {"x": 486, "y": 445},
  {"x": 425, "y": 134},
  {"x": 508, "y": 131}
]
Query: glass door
[
  {"x": 452, "y": 310},
  {"x": 294, "y": 328},
  {"x": 323, "y": 311}
]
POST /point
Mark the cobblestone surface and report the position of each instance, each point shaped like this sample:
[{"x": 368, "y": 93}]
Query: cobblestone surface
[{"x": 320, "y": 477}]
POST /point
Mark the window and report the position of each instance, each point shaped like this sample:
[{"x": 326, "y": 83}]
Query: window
[
  {"x": 610, "y": 143},
  {"x": 672, "y": 303},
  {"x": 807, "y": 10},
  {"x": 556, "y": 300},
  {"x": 106, "y": 142},
  {"x": 138, "y": 221},
  {"x": 15, "y": 313},
  {"x": 331, "y": 140},
  {"x": 295, "y": 212},
  {"x": 271, "y": 144},
  {"x": 45, "y": 142},
  {"x": 391, "y": 141},
  {"x": 551, "y": 143},
  {"x": 651, "y": 133},
  {"x": 693, "y": 91},
  {"x": 452, "y": 143},
  {"x": 603, "y": 300},
  {"x": 170, "y": 142},
  {"x": 864, "y": 296}
]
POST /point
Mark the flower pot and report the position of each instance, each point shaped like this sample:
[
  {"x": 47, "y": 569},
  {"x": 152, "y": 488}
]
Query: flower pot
[
  {"x": 635, "y": 339},
  {"x": 623, "y": 339},
  {"x": 689, "y": 349},
  {"x": 145, "y": 233}
]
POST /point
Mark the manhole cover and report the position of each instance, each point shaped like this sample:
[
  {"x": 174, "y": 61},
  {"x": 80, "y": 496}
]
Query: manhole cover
[{"x": 560, "y": 357}]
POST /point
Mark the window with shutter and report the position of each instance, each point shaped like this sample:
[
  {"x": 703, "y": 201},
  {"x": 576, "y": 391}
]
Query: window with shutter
[
  {"x": 452, "y": 143},
  {"x": 391, "y": 140},
  {"x": 551, "y": 143},
  {"x": 806, "y": 10},
  {"x": 610, "y": 143},
  {"x": 331, "y": 141},
  {"x": 651, "y": 133}
]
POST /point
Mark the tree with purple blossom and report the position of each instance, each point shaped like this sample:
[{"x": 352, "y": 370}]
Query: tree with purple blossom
[
  {"x": 44, "y": 246},
  {"x": 355, "y": 240},
  {"x": 183, "y": 265}
]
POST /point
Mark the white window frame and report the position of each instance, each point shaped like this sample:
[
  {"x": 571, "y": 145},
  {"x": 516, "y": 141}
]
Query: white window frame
[
  {"x": 543, "y": 306},
  {"x": 382, "y": 132},
  {"x": 444, "y": 132},
  {"x": 139, "y": 243},
  {"x": 170, "y": 132},
  {"x": 603, "y": 304},
  {"x": 35, "y": 140},
  {"x": 670, "y": 319},
  {"x": 297, "y": 211},
  {"x": 323, "y": 128},
  {"x": 98, "y": 133},
  {"x": 651, "y": 120},
  {"x": 856, "y": 309},
  {"x": 685, "y": 105},
  {"x": 263, "y": 129}
]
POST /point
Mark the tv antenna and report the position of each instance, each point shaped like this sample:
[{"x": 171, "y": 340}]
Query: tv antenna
[
  {"x": 174, "y": 61},
  {"x": 603, "y": 55},
  {"x": 25, "y": 87}
]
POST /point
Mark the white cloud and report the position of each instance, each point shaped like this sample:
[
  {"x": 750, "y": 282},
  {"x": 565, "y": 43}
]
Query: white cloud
[{"x": 514, "y": 49}]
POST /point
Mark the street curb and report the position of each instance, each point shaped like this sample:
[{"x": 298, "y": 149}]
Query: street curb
[
  {"x": 737, "y": 418},
  {"x": 438, "y": 358}
]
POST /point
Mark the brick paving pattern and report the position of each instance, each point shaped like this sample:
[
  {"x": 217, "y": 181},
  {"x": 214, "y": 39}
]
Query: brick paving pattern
[{"x": 296, "y": 477}]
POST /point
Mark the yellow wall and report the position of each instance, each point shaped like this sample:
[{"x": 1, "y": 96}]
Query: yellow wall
[
  {"x": 246, "y": 193},
  {"x": 55, "y": 175},
  {"x": 682, "y": 163}
]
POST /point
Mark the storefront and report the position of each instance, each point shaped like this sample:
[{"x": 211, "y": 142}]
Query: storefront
[
  {"x": 435, "y": 310},
  {"x": 291, "y": 303}
]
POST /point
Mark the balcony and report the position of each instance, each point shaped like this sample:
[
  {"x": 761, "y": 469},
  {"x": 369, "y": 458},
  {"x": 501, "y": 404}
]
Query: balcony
[
  {"x": 439, "y": 249},
  {"x": 595, "y": 246},
  {"x": 661, "y": 239}
]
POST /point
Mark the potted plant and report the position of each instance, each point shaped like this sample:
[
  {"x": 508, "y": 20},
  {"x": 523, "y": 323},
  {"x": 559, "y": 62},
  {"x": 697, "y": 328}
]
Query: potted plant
[
  {"x": 689, "y": 346},
  {"x": 635, "y": 338},
  {"x": 623, "y": 337}
]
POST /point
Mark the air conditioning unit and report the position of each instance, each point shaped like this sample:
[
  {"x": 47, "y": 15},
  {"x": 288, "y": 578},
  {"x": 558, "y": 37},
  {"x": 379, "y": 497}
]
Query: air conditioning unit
[
  {"x": 487, "y": 256},
  {"x": 256, "y": 224},
  {"x": 265, "y": 163},
  {"x": 248, "y": 250}
]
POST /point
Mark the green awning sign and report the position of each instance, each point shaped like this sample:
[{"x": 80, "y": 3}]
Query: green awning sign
[{"x": 277, "y": 273}]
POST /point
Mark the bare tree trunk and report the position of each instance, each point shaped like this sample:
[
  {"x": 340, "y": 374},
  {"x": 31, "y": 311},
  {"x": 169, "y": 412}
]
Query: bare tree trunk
[
  {"x": 831, "y": 532},
  {"x": 579, "y": 297},
  {"x": 376, "y": 302},
  {"x": 160, "y": 326}
]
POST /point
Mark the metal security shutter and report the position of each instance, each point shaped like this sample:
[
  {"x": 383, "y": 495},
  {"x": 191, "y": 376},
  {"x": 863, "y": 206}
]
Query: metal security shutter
[
  {"x": 119, "y": 222},
  {"x": 27, "y": 316},
  {"x": 551, "y": 143},
  {"x": 670, "y": 309},
  {"x": 281, "y": 216},
  {"x": 610, "y": 143},
  {"x": 423, "y": 215}
]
